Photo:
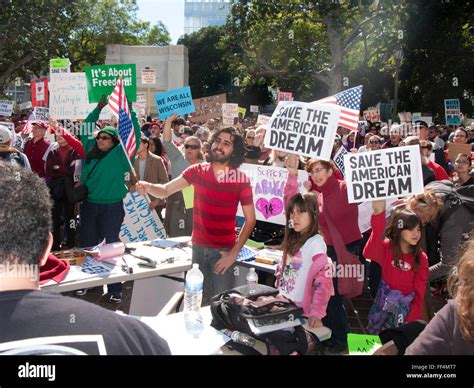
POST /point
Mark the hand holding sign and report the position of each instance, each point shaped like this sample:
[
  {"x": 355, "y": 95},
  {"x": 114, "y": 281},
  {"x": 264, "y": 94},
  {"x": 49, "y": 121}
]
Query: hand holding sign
[
  {"x": 167, "y": 127},
  {"x": 291, "y": 164},
  {"x": 141, "y": 187},
  {"x": 378, "y": 206}
]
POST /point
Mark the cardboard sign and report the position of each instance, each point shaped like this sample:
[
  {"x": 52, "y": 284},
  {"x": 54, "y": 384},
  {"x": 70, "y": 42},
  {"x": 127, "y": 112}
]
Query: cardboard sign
[
  {"x": 41, "y": 113},
  {"x": 383, "y": 174},
  {"x": 303, "y": 129},
  {"x": 101, "y": 81},
  {"x": 6, "y": 107},
  {"x": 454, "y": 149},
  {"x": 229, "y": 112},
  {"x": 254, "y": 108},
  {"x": 148, "y": 76},
  {"x": 59, "y": 65},
  {"x": 208, "y": 107},
  {"x": 177, "y": 101},
  {"x": 339, "y": 159},
  {"x": 284, "y": 96},
  {"x": 68, "y": 100},
  {"x": 268, "y": 184},
  {"x": 39, "y": 92},
  {"x": 140, "y": 223},
  {"x": 452, "y": 109},
  {"x": 363, "y": 344}
]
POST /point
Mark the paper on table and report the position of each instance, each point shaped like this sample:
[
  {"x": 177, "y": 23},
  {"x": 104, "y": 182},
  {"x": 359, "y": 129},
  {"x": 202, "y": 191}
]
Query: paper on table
[
  {"x": 363, "y": 344},
  {"x": 188, "y": 194}
]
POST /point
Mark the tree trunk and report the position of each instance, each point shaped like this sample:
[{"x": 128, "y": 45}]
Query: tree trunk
[
  {"x": 4, "y": 77},
  {"x": 336, "y": 48}
]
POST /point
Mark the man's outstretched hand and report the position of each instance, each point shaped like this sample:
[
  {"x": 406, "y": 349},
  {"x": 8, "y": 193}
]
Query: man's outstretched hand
[{"x": 103, "y": 102}]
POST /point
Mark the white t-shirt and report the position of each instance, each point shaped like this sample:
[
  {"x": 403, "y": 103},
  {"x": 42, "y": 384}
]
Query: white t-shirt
[{"x": 293, "y": 278}]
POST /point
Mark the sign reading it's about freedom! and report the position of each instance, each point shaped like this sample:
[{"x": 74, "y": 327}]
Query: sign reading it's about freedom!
[
  {"x": 301, "y": 128},
  {"x": 383, "y": 174},
  {"x": 101, "y": 81}
]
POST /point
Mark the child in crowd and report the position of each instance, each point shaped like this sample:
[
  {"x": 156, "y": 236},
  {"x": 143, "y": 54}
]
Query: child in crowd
[
  {"x": 404, "y": 268},
  {"x": 305, "y": 273}
]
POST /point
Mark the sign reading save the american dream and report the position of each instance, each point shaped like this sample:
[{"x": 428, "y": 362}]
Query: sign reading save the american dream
[
  {"x": 301, "y": 128},
  {"x": 268, "y": 184}
]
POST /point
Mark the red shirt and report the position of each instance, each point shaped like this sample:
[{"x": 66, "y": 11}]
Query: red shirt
[
  {"x": 215, "y": 204},
  {"x": 35, "y": 152},
  {"x": 407, "y": 279},
  {"x": 439, "y": 171}
]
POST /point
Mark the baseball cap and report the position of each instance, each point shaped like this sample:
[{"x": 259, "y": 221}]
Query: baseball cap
[
  {"x": 5, "y": 135},
  {"x": 40, "y": 123}
]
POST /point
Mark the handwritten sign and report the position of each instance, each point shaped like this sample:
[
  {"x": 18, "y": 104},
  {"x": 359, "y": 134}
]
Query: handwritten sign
[
  {"x": 452, "y": 111},
  {"x": 41, "y": 113},
  {"x": 268, "y": 184},
  {"x": 229, "y": 112},
  {"x": 177, "y": 101},
  {"x": 148, "y": 76},
  {"x": 140, "y": 223},
  {"x": 363, "y": 344},
  {"x": 208, "y": 107},
  {"x": 301, "y": 128},
  {"x": 389, "y": 173}
]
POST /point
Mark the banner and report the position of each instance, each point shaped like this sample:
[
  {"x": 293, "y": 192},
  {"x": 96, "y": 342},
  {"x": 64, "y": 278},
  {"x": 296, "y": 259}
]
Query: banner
[
  {"x": 208, "y": 107},
  {"x": 140, "y": 223},
  {"x": 101, "y": 81},
  {"x": 383, "y": 174},
  {"x": 268, "y": 184},
  {"x": 339, "y": 159},
  {"x": 148, "y": 76},
  {"x": 6, "y": 107},
  {"x": 301, "y": 128},
  {"x": 229, "y": 113},
  {"x": 177, "y": 101},
  {"x": 41, "y": 113},
  {"x": 39, "y": 92},
  {"x": 452, "y": 109},
  {"x": 68, "y": 100},
  {"x": 59, "y": 65}
]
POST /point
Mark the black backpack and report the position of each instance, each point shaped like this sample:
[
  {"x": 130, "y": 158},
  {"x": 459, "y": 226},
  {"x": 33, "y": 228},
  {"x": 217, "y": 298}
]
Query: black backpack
[{"x": 257, "y": 305}]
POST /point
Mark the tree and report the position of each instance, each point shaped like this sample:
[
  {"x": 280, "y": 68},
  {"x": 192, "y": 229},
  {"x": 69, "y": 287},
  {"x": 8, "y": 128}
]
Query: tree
[{"x": 158, "y": 35}]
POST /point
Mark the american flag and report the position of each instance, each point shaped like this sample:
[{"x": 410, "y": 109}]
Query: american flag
[
  {"x": 349, "y": 101},
  {"x": 119, "y": 105}
]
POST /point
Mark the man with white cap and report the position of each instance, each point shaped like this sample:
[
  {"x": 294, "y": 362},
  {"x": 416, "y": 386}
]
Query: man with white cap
[
  {"x": 8, "y": 153},
  {"x": 395, "y": 137}
]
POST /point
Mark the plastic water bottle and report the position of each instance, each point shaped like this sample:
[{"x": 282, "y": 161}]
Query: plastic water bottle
[
  {"x": 192, "y": 301},
  {"x": 241, "y": 338},
  {"x": 252, "y": 277}
]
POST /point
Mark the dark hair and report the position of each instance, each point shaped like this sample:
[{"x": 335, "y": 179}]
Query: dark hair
[
  {"x": 144, "y": 140},
  {"x": 403, "y": 220},
  {"x": 178, "y": 121},
  {"x": 306, "y": 202},
  {"x": 238, "y": 156},
  {"x": 158, "y": 146},
  {"x": 328, "y": 165},
  {"x": 25, "y": 214}
]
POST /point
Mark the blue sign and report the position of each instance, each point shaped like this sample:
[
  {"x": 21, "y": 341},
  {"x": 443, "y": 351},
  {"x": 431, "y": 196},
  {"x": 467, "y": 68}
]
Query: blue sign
[
  {"x": 452, "y": 110},
  {"x": 177, "y": 101}
]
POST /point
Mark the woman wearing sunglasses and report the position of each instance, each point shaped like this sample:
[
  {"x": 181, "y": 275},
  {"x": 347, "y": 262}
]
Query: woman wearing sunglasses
[{"x": 178, "y": 219}]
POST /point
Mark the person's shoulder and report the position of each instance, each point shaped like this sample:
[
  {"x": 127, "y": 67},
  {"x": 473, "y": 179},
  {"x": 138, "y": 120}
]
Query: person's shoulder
[{"x": 316, "y": 244}]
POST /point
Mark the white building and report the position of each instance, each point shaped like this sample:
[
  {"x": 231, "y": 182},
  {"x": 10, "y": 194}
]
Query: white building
[{"x": 205, "y": 13}]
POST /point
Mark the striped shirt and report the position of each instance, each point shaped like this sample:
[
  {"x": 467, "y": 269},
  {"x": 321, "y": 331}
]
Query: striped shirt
[
  {"x": 215, "y": 204},
  {"x": 178, "y": 163}
]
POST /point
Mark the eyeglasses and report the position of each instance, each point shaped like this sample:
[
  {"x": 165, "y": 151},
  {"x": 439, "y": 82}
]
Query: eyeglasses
[
  {"x": 103, "y": 138},
  {"x": 317, "y": 170},
  {"x": 192, "y": 146},
  {"x": 462, "y": 162}
]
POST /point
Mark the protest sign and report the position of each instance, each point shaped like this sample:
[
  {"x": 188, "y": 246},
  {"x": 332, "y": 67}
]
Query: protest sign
[
  {"x": 101, "y": 81},
  {"x": 284, "y": 96},
  {"x": 6, "y": 107},
  {"x": 263, "y": 120},
  {"x": 39, "y": 92},
  {"x": 366, "y": 211},
  {"x": 303, "y": 129},
  {"x": 59, "y": 65},
  {"x": 41, "y": 113},
  {"x": 254, "y": 108},
  {"x": 229, "y": 112},
  {"x": 148, "y": 76},
  {"x": 140, "y": 106},
  {"x": 188, "y": 195},
  {"x": 388, "y": 173},
  {"x": 338, "y": 159},
  {"x": 177, "y": 101},
  {"x": 25, "y": 105},
  {"x": 140, "y": 223},
  {"x": 452, "y": 110},
  {"x": 268, "y": 184},
  {"x": 9, "y": 125},
  {"x": 405, "y": 117},
  {"x": 363, "y": 344},
  {"x": 68, "y": 100},
  {"x": 242, "y": 111},
  {"x": 372, "y": 114},
  {"x": 208, "y": 107},
  {"x": 454, "y": 149}
]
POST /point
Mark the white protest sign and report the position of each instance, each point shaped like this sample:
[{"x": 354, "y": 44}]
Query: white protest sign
[
  {"x": 148, "y": 76},
  {"x": 339, "y": 159},
  {"x": 383, "y": 174},
  {"x": 68, "y": 98},
  {"x": 41, "y": 113},
  {"x": 366, "y": 211},
  {"x": 59, "y": 65},
  {"x": 140, "y": 223},
  {"x": 268, "y": 184},
  {"x": 140, "y": 105},
  {"x": 254, "y": 108},
  {"x": 303, "y": 129},
  {"x": 25, "y": 105},
  {"x": 6, "y": 107},
  {"x": 263, "y": 120},
  {"x": 9, "y": 125},
  {"x": 229, "y": 112}
]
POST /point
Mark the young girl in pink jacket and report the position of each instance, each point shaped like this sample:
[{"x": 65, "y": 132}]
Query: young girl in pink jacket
[{"x": 305, "y": 273}]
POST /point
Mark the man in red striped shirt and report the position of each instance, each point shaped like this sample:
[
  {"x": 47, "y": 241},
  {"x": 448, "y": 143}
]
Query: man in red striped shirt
[{"x": 218, "y": 188}]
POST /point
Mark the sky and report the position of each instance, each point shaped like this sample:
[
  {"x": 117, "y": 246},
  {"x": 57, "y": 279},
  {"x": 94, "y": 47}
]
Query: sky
[{"x": 170, "y": 12}]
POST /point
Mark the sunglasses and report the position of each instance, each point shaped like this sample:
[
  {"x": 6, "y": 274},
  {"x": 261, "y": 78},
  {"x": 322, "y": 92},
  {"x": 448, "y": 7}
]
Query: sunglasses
[
  {"x": 103, "y": 138},
  {"x": 191, "y": 146},
  {"x": 374, "y": 142},
  {"x": 462, "y": 162}
]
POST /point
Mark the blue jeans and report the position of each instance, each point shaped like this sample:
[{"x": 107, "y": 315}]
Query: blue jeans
[
  {"x": 336, "y": 318},
  {"x": 99, "y": 221},
  {"x": 213, "y": 284}
]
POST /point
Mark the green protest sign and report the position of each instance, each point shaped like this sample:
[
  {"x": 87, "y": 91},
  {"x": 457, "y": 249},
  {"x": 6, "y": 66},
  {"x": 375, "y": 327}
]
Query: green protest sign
[
  {"x": 101, "y": 81},
  {"x": 58, "y": 63},
  {"x": 363, "y": 344}
]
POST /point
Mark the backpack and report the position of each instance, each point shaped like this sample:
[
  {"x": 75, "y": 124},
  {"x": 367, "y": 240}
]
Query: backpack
[{"x": 251, "y": 308}]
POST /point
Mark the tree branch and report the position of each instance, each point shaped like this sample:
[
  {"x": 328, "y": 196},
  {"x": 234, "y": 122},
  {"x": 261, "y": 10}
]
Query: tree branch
[{"x": 15, "y": 65}]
